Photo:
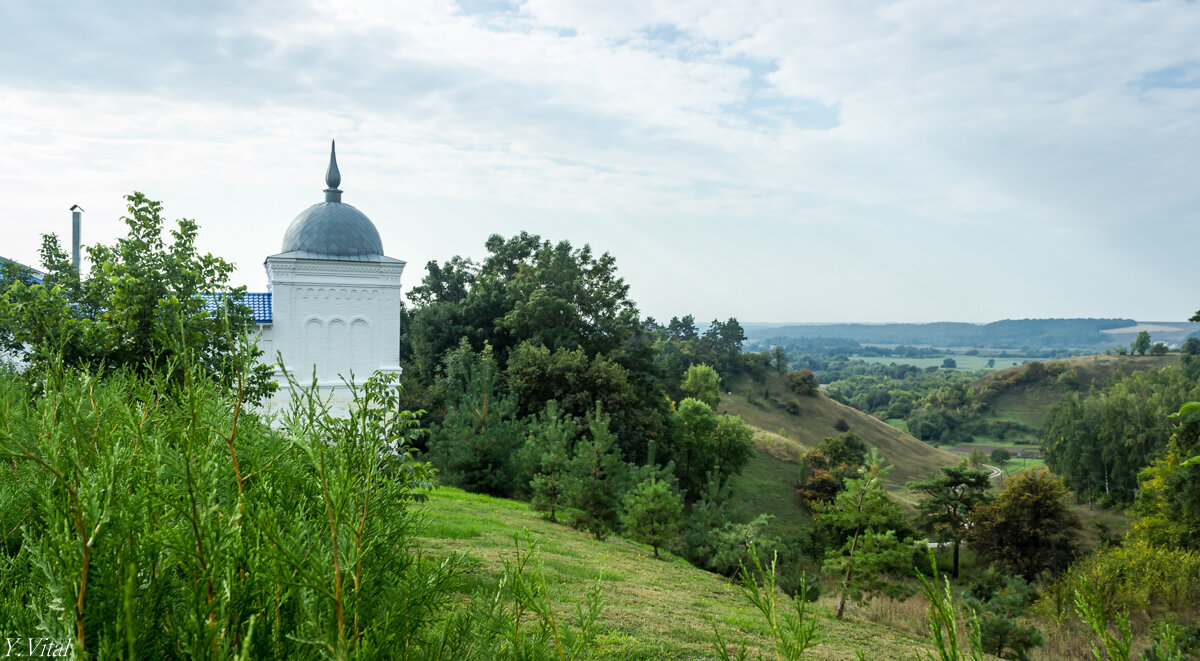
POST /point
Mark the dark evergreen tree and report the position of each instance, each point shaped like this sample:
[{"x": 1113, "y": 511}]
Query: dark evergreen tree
[
  {"x": 652, "y": 511},
  {"x": 548, "y": 448},
  {"x": 949, "y": 500},
  {"x": 477, "y": 445},
  {"x": 598, "y": 478}
]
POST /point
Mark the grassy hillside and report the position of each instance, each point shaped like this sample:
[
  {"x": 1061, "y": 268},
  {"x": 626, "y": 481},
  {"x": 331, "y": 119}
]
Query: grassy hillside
[
  {"x": 653, "y": 609},
  {"x": 1030, "y": 403},
  {"x": 761, "y": 405},
  {"x": 767, "y": 483}
]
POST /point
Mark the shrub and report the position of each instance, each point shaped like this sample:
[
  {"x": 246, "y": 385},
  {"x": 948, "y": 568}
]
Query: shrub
[
  {"x": 1136, "y": 575},
  {"x": 803, "y": 382}
]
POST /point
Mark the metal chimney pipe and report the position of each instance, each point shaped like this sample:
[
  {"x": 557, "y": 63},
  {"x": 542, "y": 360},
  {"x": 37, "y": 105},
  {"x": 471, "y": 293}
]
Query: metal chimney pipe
[{"x": 76, "y": 221}]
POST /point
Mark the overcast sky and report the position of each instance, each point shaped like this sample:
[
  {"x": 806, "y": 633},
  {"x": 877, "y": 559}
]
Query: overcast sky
[{"x": 772, "y": 161}]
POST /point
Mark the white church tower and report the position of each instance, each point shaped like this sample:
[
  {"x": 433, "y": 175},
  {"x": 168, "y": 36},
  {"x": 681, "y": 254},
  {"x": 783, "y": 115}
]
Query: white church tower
[{"x": 334, "y": 296}]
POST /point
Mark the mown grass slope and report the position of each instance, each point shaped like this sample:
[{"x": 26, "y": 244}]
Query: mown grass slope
[{"x": 653, "y": 609}]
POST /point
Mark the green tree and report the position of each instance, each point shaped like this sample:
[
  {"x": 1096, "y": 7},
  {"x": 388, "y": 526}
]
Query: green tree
[
  {"x": 1158, "y": 349},
  {"x": 803, "y": 382},
  {"x": 652, "y": 511},
  {"x": 568, "y": 298},
  {"x": 684, "y": 329},
  {"x": 999, "y": 603},
  {"x": 847, "y": 450},
  {"x": 563, "y": 313},
  {"x": 549, "y": 446},
  {"x": 873, "y": 553},
  {"x": 722, "y": 342},
  {"x": 701, "y": 443},
  {"x": 1141, "y": 344},
  {"x": 598, "y": 478},
  {"x": 692, "y": 427},
  {"x": 730, "y": 543},
  {"x": 780, "y": 358},
  {"x": 949, "y": 500},
  {"x": 477, "y": 445},
  {"x": 1191, "y": 346},
  {"x": 144, "y": 304},
  {"x": 1028, "y": 528},
  {"x": 536, "y": 375},
  {"x": 999, "y": 456},
  {"x": 949, "y": 364},
  {"x": 1100, "y": 441},
  {"x": 1168, "y": 503},
  {"x": 703, "y": 383}
]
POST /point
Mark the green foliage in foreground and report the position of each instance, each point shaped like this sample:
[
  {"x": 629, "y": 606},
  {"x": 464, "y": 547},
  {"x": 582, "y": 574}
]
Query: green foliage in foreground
[
  {"x": 943, "y": 621},
  {"x": 792, "y": 633},
  {"x": 148, "y": 516}
]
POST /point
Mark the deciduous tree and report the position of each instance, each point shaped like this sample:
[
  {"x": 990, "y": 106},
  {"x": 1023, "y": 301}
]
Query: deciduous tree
[
  {"x": 703, "y": 383},
  {"x": 1028, "y": 528},
  {"x": 1140, "y": 344},
  {"x": 145, "y": 303},
  {"x": 700, "y": 443},
  {"x": 780, "y": 358},
  {"x": 803, "y": 382}
]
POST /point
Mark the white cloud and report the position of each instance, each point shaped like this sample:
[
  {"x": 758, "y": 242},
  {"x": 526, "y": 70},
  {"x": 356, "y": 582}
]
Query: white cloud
[{"x": 869, "y": 153}]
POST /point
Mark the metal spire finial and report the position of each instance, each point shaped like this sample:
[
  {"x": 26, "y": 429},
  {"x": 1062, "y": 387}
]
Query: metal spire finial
[{"x": 333, "y": 178}]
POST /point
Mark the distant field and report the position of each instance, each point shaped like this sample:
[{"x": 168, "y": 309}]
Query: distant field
[{"x": 965, "y": 363}]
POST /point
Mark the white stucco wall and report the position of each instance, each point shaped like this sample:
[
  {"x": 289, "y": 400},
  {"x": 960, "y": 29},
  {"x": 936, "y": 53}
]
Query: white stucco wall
[{"x": 337, "y": 317}]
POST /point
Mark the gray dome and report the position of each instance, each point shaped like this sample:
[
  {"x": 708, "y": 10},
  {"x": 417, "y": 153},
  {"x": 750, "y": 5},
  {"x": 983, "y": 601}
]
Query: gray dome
[
  {"x": 335, "y": 229},
  {"x": 332, "y": 229}
]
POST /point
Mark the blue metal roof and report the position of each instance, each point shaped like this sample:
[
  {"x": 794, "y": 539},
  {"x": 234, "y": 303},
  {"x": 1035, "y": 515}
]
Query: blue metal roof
[
  {"x": 258, "y": 302},
  {"x": 34, "y": 274}
]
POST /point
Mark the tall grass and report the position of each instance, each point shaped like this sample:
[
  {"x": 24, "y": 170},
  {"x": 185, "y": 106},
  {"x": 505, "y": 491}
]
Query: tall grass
[
  {"x": 793, "y": 631},
  {"x": 153, "y": 516}
]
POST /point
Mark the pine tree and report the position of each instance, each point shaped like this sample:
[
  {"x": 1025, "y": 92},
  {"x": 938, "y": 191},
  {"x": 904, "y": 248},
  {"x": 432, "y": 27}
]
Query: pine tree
[
  {"x": 873, "y": 550},
  {"x": 598, "y": 475},
  {"x": 477, "y": 445},
  {"x": 951, "y": 496},
  {"x": 549, "y": 447},
  {"x": 652, "y": 513}
]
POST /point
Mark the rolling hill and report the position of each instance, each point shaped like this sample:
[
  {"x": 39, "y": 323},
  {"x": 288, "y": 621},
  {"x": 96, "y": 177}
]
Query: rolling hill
[
  {"x": 767, "y": 485},
  {"x": 1029, "y": 401}
]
